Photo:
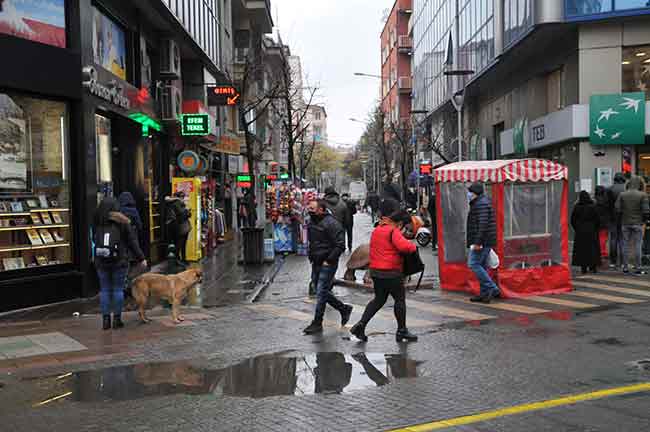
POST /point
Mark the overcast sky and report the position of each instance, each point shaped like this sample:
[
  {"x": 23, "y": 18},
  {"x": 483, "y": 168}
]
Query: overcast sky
[{"x": 336, "y": 38}]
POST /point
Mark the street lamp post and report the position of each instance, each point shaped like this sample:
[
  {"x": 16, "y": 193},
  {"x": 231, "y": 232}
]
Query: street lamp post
[
  {"x": 416, "y": 145},
  {"x": 457, "y": 100}
]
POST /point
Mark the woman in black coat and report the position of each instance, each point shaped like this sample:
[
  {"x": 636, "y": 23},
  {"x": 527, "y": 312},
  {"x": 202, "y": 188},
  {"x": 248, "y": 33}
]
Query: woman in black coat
[{"x": 585, "y": 221}]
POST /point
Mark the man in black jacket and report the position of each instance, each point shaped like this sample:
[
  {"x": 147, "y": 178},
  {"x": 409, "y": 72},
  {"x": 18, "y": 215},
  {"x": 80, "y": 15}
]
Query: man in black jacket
[
  {"x": 481, "y": 238},
  {"x": 349, "y": 218},
  {"x": 326, "y": 244}
]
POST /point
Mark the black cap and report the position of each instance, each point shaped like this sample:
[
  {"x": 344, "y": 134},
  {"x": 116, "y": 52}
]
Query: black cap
[
  {"x": 477, "y": 188},
  {"x": 329, "y": 190}
]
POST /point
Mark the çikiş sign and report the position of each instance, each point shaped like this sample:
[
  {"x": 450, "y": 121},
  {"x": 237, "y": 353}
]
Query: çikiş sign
[
  {"x": 112, "y": 92},
  {"x": 195, "y": 124}
]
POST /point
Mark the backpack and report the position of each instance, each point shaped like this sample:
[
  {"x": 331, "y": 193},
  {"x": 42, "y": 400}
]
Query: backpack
[{"x": 107, "y": 242}]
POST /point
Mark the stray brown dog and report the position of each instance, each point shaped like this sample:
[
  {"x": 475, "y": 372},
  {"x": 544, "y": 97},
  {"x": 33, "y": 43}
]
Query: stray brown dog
[{"x": 172, "y": 288}]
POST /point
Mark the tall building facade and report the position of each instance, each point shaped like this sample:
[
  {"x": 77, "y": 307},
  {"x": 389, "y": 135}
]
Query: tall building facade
[
  {"x": 538, "y": 74},
  {"x": 396, "y": 50}
]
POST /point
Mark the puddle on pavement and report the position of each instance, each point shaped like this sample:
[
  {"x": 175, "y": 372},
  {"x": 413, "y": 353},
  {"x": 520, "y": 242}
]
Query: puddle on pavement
[{"x": 259, "y": 377}]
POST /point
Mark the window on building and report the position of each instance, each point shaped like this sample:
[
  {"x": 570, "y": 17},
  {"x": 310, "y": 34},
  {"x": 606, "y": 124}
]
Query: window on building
[
  {"x": 579, "y": 8},
  {"x": 34, "y": 183},
  {"x": 518, "y": 19},
  {"x": 636, "y": 69},
  {"x": 317, "y": 116},
  {"x": 554, "y": 99}
]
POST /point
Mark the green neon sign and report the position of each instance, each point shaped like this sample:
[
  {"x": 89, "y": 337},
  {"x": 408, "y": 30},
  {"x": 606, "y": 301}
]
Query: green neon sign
[
  {"x": 146, "y": 122},
  {"x": 284, "y": 176},
  {"x": 195, "y": 124}
]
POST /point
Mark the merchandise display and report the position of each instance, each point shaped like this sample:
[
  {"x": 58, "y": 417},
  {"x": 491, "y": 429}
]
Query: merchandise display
[{"x": 285, "y": 207}]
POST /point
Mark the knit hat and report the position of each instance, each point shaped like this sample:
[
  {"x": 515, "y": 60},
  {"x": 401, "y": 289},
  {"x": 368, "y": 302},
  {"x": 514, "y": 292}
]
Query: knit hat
[{"x": 477, "y": 188}]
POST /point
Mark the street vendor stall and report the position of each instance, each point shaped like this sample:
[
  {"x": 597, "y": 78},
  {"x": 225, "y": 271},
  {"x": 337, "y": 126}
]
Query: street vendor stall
[{"x": 529, "y": 198}]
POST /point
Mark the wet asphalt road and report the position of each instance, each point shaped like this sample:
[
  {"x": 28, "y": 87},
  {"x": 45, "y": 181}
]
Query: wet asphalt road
[{"x": 249, "y": 368}]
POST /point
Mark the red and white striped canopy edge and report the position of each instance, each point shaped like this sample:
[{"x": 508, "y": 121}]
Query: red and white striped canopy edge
[{"x": 519, "y": 170}]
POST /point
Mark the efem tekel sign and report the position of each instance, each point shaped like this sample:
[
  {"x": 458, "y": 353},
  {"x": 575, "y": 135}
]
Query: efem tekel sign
[
  {"x": 617, "y": 119},
  {"x": 195, "y": 124}
]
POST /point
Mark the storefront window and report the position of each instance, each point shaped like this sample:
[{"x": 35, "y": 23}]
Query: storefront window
[
  {"x": 109, "y": 44},
  {"x": 34, "y": 183},
  {"x": 636, "y": 69}
]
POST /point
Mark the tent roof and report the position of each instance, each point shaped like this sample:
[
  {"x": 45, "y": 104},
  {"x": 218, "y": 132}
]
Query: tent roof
[{"x": 499, "y": 171}]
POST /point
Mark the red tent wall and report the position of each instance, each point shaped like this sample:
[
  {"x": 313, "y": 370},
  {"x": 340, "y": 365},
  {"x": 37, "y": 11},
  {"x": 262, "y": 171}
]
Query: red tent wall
[{"x": 512, "y": 282}]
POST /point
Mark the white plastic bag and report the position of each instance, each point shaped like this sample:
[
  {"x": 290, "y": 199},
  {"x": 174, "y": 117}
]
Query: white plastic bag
[{"x": 493, "y": 260}]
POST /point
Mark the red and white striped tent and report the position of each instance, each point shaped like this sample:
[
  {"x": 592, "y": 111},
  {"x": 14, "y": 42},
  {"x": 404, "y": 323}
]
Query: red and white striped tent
[
  {"x": 522, "y": 170},
  {"x": 530, "y": 262}
]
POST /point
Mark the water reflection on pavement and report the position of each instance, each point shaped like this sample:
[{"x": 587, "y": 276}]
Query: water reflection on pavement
[{"x": 283, "y": 374}]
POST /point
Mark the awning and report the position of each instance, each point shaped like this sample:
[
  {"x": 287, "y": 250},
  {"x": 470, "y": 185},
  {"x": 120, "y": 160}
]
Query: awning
[{"x": 520, "y": 170}]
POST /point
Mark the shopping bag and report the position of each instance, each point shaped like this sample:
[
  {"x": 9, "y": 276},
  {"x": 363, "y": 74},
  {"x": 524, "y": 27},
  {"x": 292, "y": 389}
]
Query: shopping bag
[
  {"x": 493, "y": 260},
  {"x": 413, "y": 264}
]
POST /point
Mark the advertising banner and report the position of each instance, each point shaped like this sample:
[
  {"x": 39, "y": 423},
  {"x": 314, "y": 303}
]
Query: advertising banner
[
  {"x": 37, "y": 20},
  {"x": 617, "y": 119},
  {"x": 109, "y": 46}
]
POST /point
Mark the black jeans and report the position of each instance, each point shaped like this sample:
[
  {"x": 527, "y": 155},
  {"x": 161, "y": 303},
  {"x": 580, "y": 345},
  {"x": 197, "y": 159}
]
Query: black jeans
[
  {"x": 384, "y": 287},
  {"x": 348, "y": 231},
  {"x": 181, "y": 245}
]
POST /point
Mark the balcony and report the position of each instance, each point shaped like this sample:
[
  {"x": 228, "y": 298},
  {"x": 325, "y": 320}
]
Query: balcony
[
  {"x": 405, "y": 84},
  {"x": 405, "y": 45},
  {"x": 261, "y": 12}
]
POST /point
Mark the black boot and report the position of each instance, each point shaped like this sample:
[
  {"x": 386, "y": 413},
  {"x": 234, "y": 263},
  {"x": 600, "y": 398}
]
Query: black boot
[
  {"x": 345, "y": 314},
  {"x": 359, "y": 331},
  {"x": 117, "y": 321},
  {"x": 313, "y": 328},
  {"x": 404, "y": 335},
  {"x": 107, "y": 322}
]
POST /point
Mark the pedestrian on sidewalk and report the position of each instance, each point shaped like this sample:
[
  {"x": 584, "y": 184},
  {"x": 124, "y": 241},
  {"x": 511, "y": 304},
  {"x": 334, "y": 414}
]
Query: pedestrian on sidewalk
[
  {"x": 387, "y": 247},
  {"x": 349, "y": 218},
  {"x": 178, "y": 223},
  {"x": 326, "y": 244},
  {"x": 113, "y": 238},
  {"x": 336, "y": 206},
  {"x": 605, "y": 214},
  {"x": 633, "y": 207},
  {"x": 372, "y": 201},
  {"x": 434, "y": 219},
  {"x": 615, "y": 230},
  {"x": 129, "y": 209},
  {"x": 481, "y": 239},
  {"x": 585, "y": 221}
]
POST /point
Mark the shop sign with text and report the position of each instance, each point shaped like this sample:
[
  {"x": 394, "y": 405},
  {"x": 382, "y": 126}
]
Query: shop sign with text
[
  {"x": 229, "y": 145},
  {"x": 195, "y": 124},
  {"x": 112, "y": 91},
  {"x": 222, "y": 95}
]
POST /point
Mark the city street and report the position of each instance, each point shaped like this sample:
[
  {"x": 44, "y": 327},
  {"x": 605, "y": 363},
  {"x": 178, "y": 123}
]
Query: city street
[{"x": 247, "y": 366}]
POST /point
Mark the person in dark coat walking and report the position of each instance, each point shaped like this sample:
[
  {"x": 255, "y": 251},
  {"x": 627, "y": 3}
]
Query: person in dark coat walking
[
  {"x": 481, "y": 239},
  {"x": 372, "y": 201},
  {"x": 349, "y": 218},
  {"x": 129, "y": 209},
  {"x": 326, "y": 244},
  {"x": 336, "y": 205},
  {"x": 178, "y": 223},
  {"x": 586, "y": 224},
  {"x": 434, "y": 219}
]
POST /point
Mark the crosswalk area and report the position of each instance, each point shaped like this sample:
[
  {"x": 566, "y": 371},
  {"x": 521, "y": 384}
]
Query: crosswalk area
[{"x": 427, "y": 309}]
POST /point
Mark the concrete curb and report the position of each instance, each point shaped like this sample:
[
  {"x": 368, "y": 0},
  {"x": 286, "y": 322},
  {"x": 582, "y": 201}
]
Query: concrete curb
[{"x": 269, "y": 277}]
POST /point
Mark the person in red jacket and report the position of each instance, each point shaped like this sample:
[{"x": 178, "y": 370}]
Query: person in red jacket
[{"x": 387, "y": 246}]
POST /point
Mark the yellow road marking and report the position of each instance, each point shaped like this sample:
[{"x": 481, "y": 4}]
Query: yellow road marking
[
  {"x": 562, "y": 302},
  {"x": 511, "y": 307},
  {"x": 519, "y": 409},
  {"x": 606, "y": 297},
  {"x": 637, "y": 292},
  {"x": 448, "y": 311},
  {"x": 645, "y": 283}
]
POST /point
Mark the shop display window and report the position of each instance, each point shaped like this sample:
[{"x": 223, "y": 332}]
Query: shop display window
[{"x": 35, "y": 212}]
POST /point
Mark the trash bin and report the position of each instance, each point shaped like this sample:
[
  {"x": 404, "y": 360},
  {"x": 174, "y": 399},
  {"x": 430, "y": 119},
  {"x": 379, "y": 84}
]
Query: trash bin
[{"x": 253, "y": 245}]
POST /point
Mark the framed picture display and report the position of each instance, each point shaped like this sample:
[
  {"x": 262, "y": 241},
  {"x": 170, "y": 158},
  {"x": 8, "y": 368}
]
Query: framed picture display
[
  {"x": 36, "y": 219},
  {"x": 46, "y": 219},
  {"x": 57, "y": 236},
  {"x": 17, "y": 207},
  {"x": 46, "y": 236},
  {"x": 33, "y": 237},
  {"x": 42, "y": 199},
  {"x": 56, "y": 217}
]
